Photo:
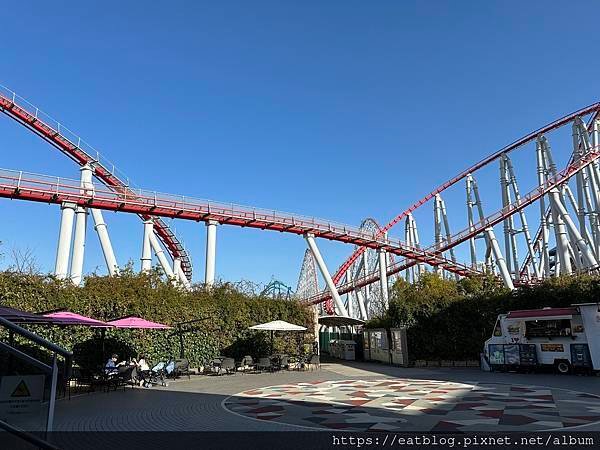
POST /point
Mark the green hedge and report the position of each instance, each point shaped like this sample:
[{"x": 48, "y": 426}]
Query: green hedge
[
  {"x": 226, "y": 314},
  {"x": 446, "y": 319}
]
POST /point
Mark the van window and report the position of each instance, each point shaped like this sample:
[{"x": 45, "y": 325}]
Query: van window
[{"x": 498, "y": 329}]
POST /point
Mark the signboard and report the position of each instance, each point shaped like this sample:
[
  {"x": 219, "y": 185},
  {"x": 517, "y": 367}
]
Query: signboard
[
  {"x": 21, "y": 395},
  {"x": 552, "y": 347},
  {"x": 511, "y": 355}
]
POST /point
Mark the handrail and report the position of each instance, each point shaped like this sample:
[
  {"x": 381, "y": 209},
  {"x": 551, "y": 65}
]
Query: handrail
[
  {"x": 29, "y": 437},
  {"x": 24, "y": 356},
  {"x": 52, "y": 371}
]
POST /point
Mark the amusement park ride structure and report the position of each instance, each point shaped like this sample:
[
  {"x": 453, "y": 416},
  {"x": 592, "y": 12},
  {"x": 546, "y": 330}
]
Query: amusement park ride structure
[{"x": 563, "y": 238}]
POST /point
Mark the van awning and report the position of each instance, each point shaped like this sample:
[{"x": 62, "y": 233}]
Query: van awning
[{"x": 544, "y": 313}]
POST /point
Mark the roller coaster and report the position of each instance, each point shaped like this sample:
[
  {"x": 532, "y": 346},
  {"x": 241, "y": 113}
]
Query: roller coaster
[{"x": 548, "y": 220}]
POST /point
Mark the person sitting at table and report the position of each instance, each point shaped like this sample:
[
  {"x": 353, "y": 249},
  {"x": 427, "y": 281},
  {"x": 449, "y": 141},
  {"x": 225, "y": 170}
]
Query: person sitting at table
[
  {"x": 143, "y": 371},
  {"x": 112, "y": 364}
]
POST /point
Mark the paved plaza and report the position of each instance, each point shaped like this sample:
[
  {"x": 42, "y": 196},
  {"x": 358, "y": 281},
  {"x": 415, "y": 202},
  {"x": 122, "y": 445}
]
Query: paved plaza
[{"x": 349, "y": 396}]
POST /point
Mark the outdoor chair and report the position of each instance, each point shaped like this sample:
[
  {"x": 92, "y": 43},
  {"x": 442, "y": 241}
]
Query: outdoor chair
[
  {"x": 313, "y": 361},
  {"x": 122, "y": 377},
  {"x": 182, "y": 367},
  {"x": 247, "y": 363},
  {"x": 228, "y": 366},
  {"x": 264, "y": 364},
  {"x": 284, "y": 362},
  {"x": 81, "y": 376},
  {"x": 215, "y": 365}
]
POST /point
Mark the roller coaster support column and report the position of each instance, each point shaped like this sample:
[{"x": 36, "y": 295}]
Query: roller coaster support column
[
  {"x": 64, "y": 240},
  {"x": 99, "y": 224},
  {"x": 146, "y": 247},
  {"x": 160, "y": 254},
  {"x": 350, "y": 293},
  {"x": 181, "y": 277},
  {"x": 586, "y": 252},
  {"x": 310, "y": 240},
  {"x": 211, "y": 252},
  {"x": 78, "y": 245},
  {"x": 383, "y": 277},
  {"x": 87, "y": 187},
  {"x": 178, "y": 272},
  {"x": 500, "y": 261},
  {"x": 107, "y": 250}
]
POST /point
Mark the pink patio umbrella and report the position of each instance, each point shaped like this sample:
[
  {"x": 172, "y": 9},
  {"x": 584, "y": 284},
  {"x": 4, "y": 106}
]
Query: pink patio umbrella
[
  {"x": 137, "y": 322},
  {"x": 64, "y": 317}
]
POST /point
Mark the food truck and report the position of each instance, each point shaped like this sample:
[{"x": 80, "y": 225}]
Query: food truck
[{"x": 566, "y": 338}]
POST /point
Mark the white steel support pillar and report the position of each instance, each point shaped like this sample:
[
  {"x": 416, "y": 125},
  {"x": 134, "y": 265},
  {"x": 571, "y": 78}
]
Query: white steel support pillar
[
  {"x": 500, "y": 261},
  {"x": 507, "y": 223},
  {"x": 541, "y": 176},
  {"x": 87, "y": 187},
  {"x": 63, "y": 251},
  {"x": 471, "y": 220},
  {"x": 383, "y": 277},
  {"x": 562, "y": 238},
  {"x": 146, "y": 246},
  {"x": 107, "y": 250},
  {"x": 437, "y": 223},
  {"x": 184, "y": 280},
  {"x": 160, "y": 255},
  {"x": 211, "y": 252},
  {"x": 78, "y": 245},
  {"x": 584, "y": 248},
  {"x": 361, "y": 305},
  {"x": 310, "y": 240},
  {"x": 350, "y": 293}
]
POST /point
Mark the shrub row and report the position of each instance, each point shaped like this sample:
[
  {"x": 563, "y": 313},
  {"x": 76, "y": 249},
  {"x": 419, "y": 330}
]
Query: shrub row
[{"x": 219, "y": 317}]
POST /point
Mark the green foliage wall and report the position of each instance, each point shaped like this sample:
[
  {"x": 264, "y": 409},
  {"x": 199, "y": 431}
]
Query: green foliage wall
[
  {"x": 226, "y": 312},
  {"x": 451, "y": 320}
]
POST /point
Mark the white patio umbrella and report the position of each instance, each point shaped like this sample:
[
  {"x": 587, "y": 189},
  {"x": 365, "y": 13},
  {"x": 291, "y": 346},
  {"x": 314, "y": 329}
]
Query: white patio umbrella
[{"x": 277, "y": 325}]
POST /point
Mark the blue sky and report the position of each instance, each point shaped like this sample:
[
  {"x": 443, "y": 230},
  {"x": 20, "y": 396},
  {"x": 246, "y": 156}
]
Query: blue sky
[{"x": 338, "y": 109}]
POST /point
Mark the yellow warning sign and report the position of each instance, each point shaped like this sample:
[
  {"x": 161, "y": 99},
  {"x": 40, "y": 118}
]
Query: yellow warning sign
[{"x": 21, "y": 390}]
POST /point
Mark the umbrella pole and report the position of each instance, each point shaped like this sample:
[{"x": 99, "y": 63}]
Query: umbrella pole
[
  {"x": 102, "y": 336},
  {"x": 272, "y": 342}
]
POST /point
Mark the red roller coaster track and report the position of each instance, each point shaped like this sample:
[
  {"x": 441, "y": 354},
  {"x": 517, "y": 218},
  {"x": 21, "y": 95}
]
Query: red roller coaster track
[
  {"x": 33, "y": 122},
  {"x": 119, "y": 196},
  {"x": 594, "y": 108},
  {"x": 20, "y": 185}
]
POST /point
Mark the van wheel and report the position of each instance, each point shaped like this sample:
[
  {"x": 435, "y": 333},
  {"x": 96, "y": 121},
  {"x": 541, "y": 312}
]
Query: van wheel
[{"x": 563, "y": 367}]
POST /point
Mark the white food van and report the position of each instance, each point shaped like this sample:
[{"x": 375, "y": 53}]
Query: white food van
[{"x": 566, "y": 338}]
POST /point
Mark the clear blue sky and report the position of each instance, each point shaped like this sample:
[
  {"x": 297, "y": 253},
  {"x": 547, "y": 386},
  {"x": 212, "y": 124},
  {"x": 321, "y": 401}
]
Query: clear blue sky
[{"x": 339, "y": 109}]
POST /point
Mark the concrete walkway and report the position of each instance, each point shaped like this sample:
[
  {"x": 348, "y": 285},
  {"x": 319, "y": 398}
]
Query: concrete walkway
[{"x": 198, "y": 404}]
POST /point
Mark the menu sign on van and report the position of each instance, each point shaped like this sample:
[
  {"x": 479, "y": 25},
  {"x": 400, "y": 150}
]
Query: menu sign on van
[{"x": 552, "y": 347}]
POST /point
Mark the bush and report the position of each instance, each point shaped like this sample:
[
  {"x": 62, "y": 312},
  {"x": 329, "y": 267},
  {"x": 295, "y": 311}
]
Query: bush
[{"x": 221, "y": 316}]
